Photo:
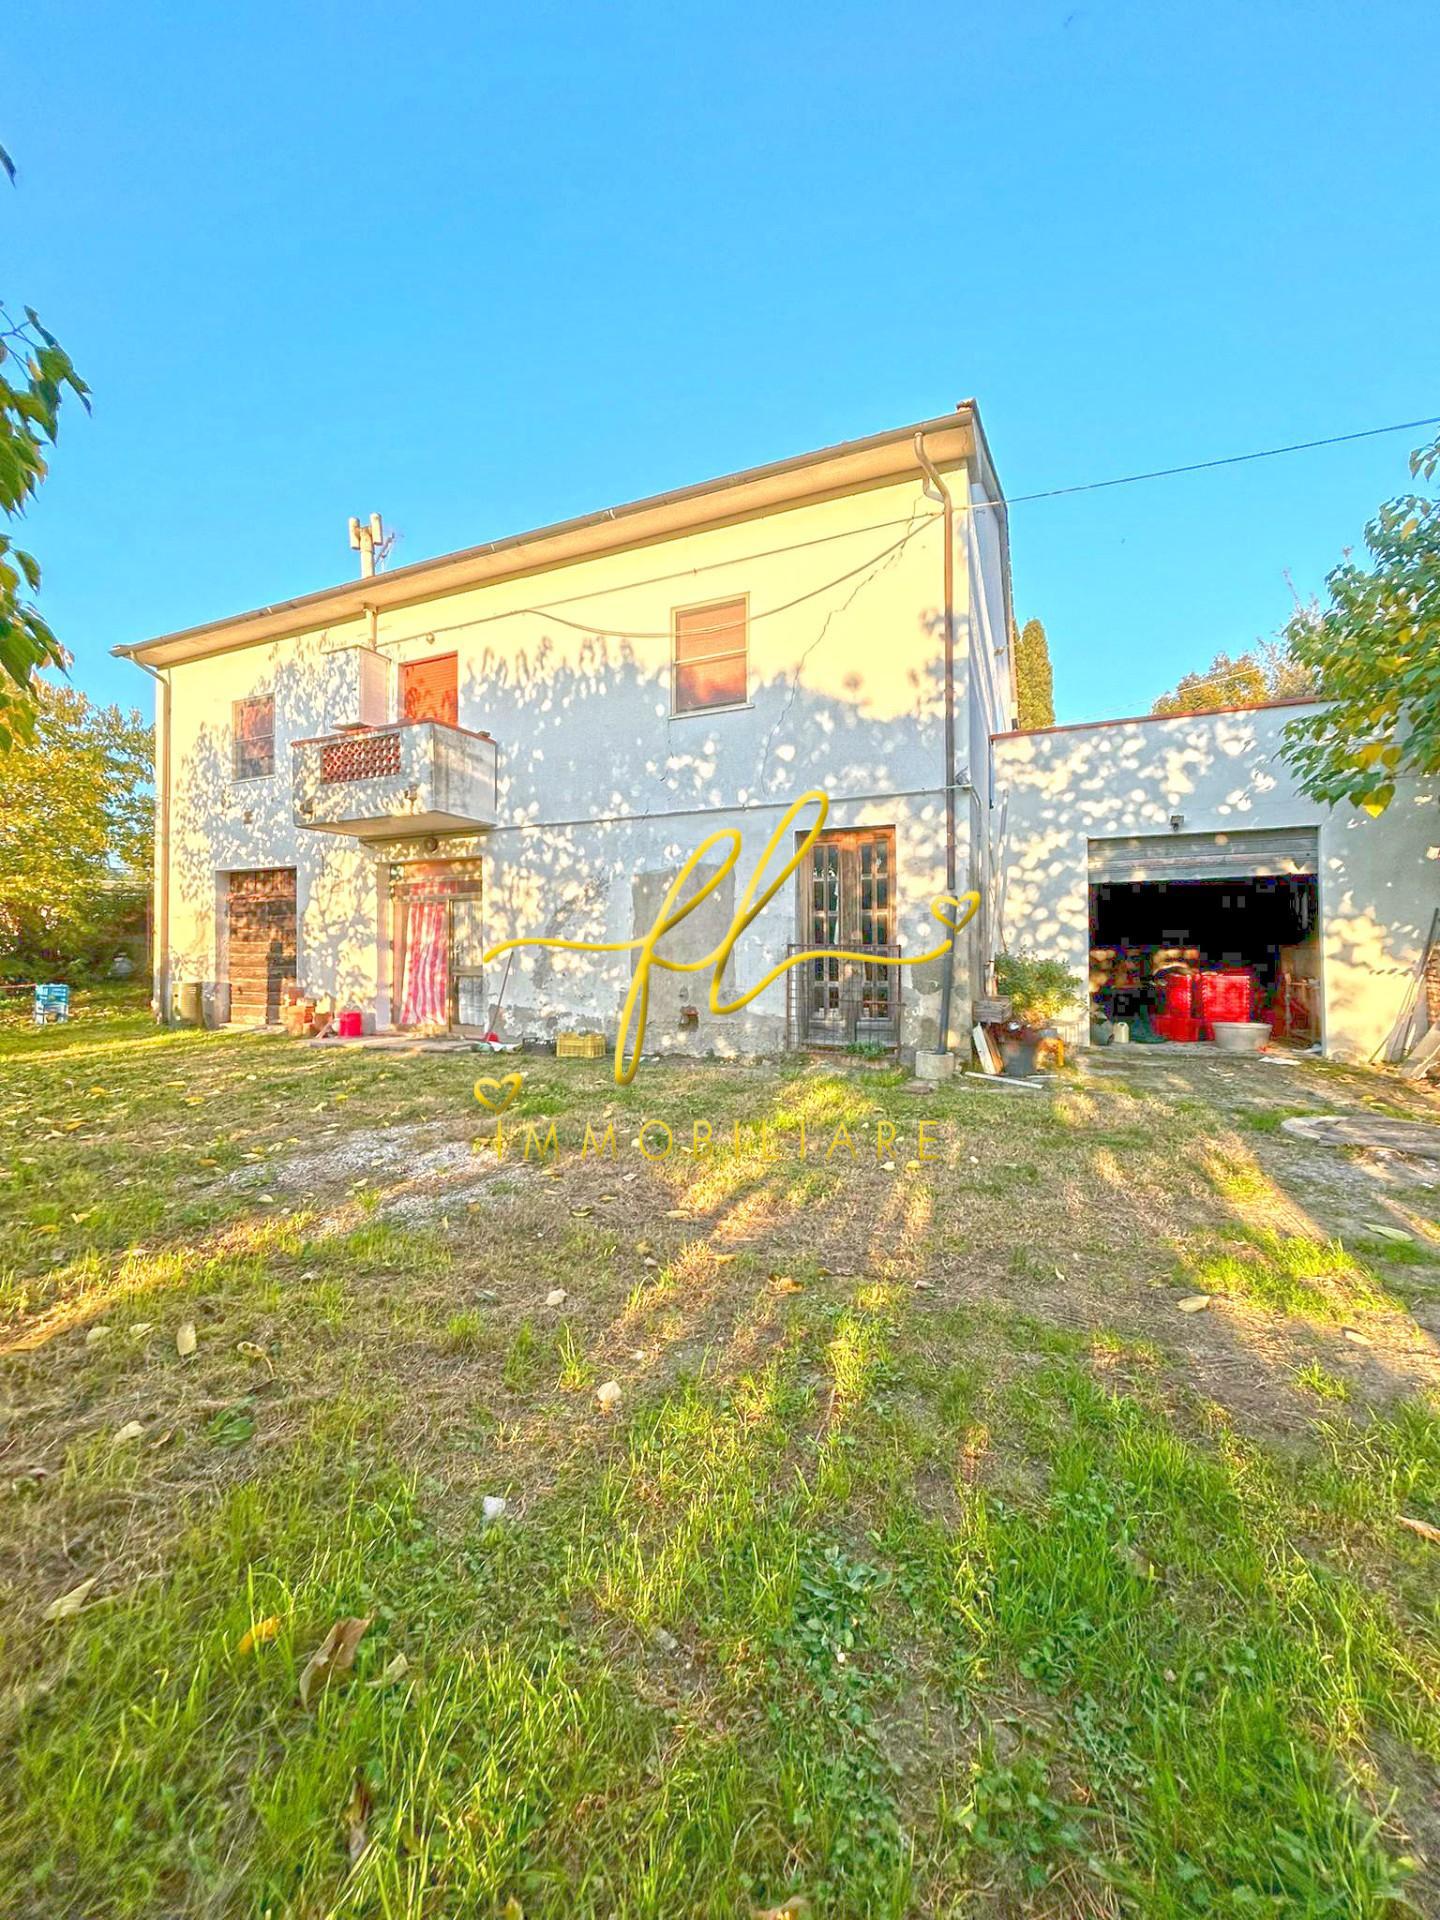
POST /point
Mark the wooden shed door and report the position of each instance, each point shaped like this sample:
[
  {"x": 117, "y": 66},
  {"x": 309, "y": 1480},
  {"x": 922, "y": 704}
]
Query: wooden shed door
[{"x": 261, "y": 941}]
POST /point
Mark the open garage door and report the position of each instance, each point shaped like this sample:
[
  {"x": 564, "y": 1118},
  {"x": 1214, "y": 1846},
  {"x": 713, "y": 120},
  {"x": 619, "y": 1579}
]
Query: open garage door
[
  {"x": 1270, "y": 853},
  {"x": 1178, "y": 920}
]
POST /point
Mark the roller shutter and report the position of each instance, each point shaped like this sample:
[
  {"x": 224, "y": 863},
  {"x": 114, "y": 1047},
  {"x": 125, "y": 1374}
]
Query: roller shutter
[{"x": 1262, "y": 853}]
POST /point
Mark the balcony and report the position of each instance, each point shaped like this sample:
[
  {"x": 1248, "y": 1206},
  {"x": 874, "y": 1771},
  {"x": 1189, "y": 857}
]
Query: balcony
[{"x": 415, "y": 776}]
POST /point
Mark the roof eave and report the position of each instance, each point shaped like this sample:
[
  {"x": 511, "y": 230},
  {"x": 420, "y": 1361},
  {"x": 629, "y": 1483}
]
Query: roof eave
[{"x": 849, "y": 467}]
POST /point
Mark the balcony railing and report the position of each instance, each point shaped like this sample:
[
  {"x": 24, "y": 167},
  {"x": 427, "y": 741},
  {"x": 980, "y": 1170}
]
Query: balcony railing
[{"x": 415, "y": 776}]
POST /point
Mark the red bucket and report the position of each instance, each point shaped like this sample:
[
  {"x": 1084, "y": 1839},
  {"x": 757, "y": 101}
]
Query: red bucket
[{"x": 351, "y": 1026}]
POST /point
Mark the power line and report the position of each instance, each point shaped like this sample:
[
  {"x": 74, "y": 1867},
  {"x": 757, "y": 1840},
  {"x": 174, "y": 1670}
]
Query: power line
[
  {"x": 1230, "y": 460},
  {"x": 1019, "y": 499}
]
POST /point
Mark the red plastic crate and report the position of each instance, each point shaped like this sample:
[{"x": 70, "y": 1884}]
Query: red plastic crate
[
  {"x": 1179, "y": 989},
  {"x": 1225, "y": 994}
]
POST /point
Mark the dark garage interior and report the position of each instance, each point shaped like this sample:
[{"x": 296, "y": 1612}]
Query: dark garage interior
[{"x": 1268, "y": 925}]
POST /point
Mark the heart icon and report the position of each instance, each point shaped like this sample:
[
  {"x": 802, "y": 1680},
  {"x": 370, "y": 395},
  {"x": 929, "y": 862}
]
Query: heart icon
[{"x": 498, "y": 1094}]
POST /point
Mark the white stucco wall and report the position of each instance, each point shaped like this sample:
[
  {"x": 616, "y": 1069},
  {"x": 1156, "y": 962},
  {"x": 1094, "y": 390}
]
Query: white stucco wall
[
  {"x": 1379, "y": 879},
  {"x": 569, "y": 670}
]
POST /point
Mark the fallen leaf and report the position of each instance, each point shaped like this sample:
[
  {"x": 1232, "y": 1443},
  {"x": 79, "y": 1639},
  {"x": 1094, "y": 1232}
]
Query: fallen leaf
[
  {"x": 796, "y": 1909},
  {"x": 94, "y": 1335},
  {"x": 786, "y": 1283},
  {"x": 887, "y": 1166},
  {"x": 395, "y": 1669},
  {"x": 674, "y": 1213},
  {"x": 512, "y": 1910},
  {"x": 1422, "y": 1527},
  {"x": 556, "y": 1297},
  {"x": 131, "y": 1430},
  {"x": 333, "y": 1658},
  {"x": 185, "y": 1339},
  {"x": 1388, "y": 1233},
  {"x": 1194, "y": 1303},
  {"x": 258, "y": 1635},
  {"x": 608, "y": 1396},
  {"x": 1353, "y": 1333},
  {"x": 72, "y": 1601},
  {"x": 356, "y": 1814},
  {"x": 81, "y": 1218}
]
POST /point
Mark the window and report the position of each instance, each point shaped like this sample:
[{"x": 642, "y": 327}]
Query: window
[
  {"x": 252, "y": 726},
  {"x": 709, "y": 666},
  {"x": 428, "y": 689}
]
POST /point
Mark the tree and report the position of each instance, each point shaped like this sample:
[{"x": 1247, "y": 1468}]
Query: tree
[
  {"x": 1374, "y": 649},
  {"x": 1268, "y": 671},
  {"x": 1034, "y": 681},
  {"x": 35, "y": 373},
  {"x": 75, "y": 829}
]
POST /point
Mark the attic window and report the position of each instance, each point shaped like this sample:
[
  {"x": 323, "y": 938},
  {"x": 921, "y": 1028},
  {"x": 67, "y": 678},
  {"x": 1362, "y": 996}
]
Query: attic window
[
  {"x": 252, "y": 731},
  {"x": 709, "y": 656}
]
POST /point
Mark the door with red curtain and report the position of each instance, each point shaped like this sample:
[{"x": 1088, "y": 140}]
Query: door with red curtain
[{"x": 438, "y": 939}]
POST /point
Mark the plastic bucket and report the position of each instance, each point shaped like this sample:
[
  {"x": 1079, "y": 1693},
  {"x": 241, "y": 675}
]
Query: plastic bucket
[{"x": 350, "y": 1026}]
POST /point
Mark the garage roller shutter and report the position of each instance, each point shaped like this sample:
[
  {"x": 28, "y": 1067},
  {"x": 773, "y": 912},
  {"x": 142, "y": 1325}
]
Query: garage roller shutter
[{"x": 1272, "y": 852}]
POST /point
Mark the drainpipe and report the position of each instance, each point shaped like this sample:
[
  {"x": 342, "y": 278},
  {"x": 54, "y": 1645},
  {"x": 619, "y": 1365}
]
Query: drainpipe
[
  {"x": 160, "y": 957},
  {"x": 936, "y": 489}
]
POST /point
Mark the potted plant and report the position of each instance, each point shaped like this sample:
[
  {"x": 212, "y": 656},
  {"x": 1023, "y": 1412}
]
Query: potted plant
[{"x": 1039, "y": 991}]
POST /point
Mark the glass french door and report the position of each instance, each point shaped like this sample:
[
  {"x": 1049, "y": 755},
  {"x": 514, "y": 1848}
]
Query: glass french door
[
  {"x": 847, "y": 902},
  {"x": 438, "y": 938}
]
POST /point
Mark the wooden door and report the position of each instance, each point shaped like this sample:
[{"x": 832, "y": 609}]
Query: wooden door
[
  {"x": 847, "y": 902},
  {"x": 429, "y": 689},
  {"x": 261, "y": 941}
]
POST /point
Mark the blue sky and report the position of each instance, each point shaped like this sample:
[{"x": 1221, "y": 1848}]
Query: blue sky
[{"x": 483, "y": 268}]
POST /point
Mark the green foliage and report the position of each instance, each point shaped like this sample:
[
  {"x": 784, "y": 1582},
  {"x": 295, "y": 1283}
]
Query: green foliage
[
  {"x": 1039, "y": 989},
  {"x": 1034, "y": 681},
  {"x": 75, "y": 833},
  {"x": 1270, "y": 670},
  {"x": 1374, "y": 649},
  {"x": 35, "y": 374}
]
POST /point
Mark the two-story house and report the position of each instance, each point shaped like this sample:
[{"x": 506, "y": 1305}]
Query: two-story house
[{"x": 363, "y": 789}]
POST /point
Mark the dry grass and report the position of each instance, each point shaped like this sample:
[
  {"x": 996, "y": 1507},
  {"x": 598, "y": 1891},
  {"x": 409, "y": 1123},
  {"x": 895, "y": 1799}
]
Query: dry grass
[{"x": 933, "y": 1560}]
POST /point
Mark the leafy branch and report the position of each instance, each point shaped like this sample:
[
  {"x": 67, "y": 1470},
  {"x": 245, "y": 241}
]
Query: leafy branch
[
  {"x": 1374, "y": 649},
  {"x": 36, "y": 373}
]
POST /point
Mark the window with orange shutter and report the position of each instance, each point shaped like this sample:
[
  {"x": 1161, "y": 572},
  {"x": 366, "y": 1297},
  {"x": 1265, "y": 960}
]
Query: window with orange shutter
[
  {"x": 429, "y": 690},
  {"x": 252, "y": 737},
  {"x": 709, "y": 656}
]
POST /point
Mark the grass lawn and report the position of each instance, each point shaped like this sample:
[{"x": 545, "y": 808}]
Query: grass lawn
[{"x": 935, "y": 1558}]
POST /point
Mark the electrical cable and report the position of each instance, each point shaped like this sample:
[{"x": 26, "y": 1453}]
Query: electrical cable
[{"x": 1229, "y": 460}]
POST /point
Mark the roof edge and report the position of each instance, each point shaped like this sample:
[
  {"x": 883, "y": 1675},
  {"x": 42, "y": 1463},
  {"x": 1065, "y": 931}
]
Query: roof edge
[
  {"x": 846, "y": 467},
  {"x": 1138, "y": 719}
]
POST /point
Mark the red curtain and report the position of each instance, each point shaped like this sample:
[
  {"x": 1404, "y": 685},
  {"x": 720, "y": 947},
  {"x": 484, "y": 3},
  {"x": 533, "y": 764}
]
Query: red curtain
[{"x": 425, "y": 999}]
